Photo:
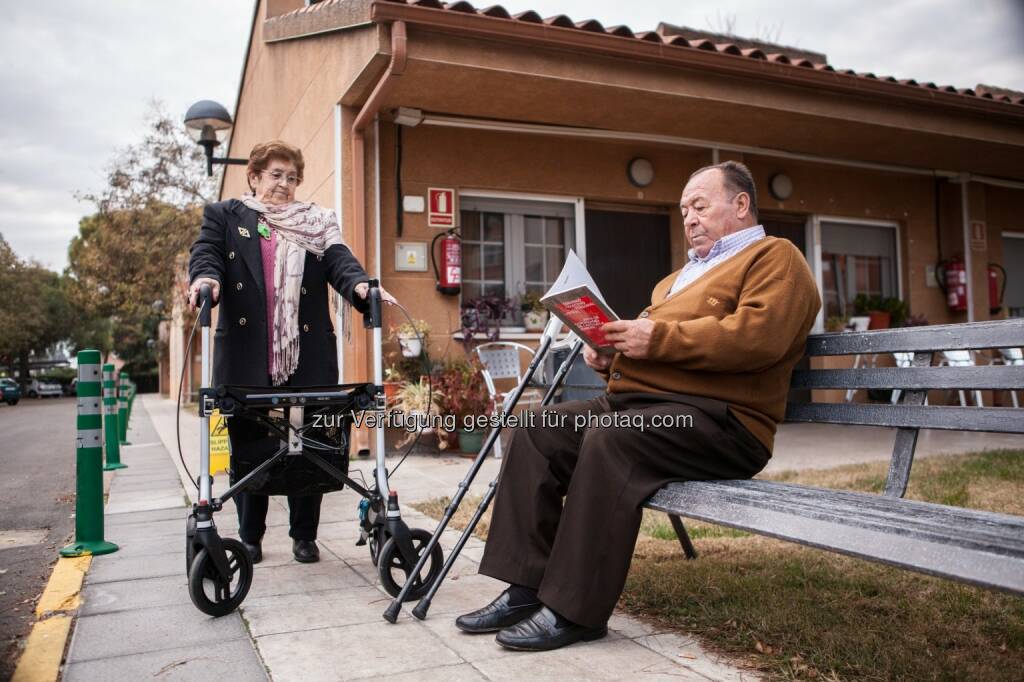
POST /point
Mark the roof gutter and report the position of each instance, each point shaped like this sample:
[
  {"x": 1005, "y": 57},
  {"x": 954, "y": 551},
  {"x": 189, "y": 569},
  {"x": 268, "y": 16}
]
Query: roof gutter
[
  {"x": 707, "y": 61},
  {"x": 363, "y": 119}
]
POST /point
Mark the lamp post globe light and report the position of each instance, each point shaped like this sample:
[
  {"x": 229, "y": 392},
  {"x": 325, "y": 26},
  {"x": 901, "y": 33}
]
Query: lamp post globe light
[{"x": 209, "y": 124}]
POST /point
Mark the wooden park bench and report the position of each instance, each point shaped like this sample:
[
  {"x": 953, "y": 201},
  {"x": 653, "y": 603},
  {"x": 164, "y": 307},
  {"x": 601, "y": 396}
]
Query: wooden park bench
[{"x": 977, "y": 547}]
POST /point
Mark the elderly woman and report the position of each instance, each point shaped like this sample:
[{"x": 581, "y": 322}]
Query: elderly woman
[{"x": 268, "y": 260}]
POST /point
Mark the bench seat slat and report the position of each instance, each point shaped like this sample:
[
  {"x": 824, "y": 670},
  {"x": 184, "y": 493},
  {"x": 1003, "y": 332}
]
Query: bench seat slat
[
  {"x": 997, "y": 334},
  {"x": 995, "y": 419},
  {"x": 981, "y": 548},
  {"x": 997, "y": 377}
]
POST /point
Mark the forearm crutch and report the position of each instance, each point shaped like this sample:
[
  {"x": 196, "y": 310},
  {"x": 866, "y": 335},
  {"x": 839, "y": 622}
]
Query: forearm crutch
[{"x": 547, "y": 338}]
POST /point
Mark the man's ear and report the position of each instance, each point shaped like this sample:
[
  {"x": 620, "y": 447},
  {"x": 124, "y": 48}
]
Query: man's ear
[{"x": 742, "y": 205}]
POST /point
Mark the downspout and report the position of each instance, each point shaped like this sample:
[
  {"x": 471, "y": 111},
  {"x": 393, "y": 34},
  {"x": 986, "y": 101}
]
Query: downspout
[
  {"x": 968, "y": 256},
  {"x": 363, "y": 119}
]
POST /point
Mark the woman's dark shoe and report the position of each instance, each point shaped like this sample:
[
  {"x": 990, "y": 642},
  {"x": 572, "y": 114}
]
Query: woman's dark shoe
[
  {"x": 500, "y": 613},
  {"x": 306, "y": 551},
  {"x": 255, "y": 550},
  {"x": 546, "y": 630}
]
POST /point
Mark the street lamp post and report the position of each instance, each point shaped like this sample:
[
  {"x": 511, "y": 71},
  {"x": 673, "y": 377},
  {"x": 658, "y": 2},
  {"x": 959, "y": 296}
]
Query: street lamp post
[{"x": 208, "y": 123}]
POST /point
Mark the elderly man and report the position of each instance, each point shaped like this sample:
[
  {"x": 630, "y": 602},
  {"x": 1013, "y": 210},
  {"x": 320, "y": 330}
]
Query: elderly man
[{"x": 695, "y": 391}]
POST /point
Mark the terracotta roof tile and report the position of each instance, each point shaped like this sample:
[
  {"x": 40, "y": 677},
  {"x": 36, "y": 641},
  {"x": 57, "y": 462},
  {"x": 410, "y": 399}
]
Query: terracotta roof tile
[{"x": 731, "y": 49}]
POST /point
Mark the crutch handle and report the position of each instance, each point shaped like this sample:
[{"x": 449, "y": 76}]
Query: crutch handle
[{"x": 205, "y": 300}]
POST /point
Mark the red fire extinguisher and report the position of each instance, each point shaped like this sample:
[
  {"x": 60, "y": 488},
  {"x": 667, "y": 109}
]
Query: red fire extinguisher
[
  {"x": 952, "y": 279},
  {"x": 448, "y": 278},
  {"x": 995, "y": 292}
]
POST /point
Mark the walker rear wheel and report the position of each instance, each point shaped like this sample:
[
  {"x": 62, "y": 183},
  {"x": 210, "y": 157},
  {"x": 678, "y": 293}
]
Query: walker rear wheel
[
  {"x": 212, "y": 594},
  {"x": 391, "y": 565}
]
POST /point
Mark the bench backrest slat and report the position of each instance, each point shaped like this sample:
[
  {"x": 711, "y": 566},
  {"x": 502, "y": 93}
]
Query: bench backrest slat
[
  {"x": 994, "y": 419},
  {"x": 994, "y": 377},
  {"x": 997, "y": 334}
]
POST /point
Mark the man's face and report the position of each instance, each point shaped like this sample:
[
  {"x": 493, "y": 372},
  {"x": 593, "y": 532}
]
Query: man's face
[{"x": 710, "y": 211}]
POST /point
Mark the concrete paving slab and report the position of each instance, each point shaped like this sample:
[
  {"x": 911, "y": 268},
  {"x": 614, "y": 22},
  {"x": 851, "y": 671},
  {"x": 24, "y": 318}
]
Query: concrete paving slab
[
  {"x": 145, "y": 518},
  {"x": 141, "y": 631},
  {"x": 617, "y": 659},
  {"x": 689, "y": 653},
  {"x": 294, "y": 612},
  {"x": 111, "y": 567},
  {"x": 144, "y": 531},
  {"x": 147, "y": 503},
  {"x": 374, "y": 649},
  {"x": 299, "y": 578},
  {"x": 231, "y": 660},
  {"x": 148, "y": 593},
  {"x": 463, "y": 672}
]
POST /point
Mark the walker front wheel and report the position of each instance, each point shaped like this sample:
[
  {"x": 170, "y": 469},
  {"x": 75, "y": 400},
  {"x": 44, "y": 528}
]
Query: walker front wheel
[
  {"x": 391, "y": 565},
  {"x": 210, "y": 592}
]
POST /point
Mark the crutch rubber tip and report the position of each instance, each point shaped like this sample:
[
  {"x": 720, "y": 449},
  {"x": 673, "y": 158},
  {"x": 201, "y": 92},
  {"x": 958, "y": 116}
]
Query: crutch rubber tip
[
  {"x": 421, "y": 609},
  {"x": 391, "y": 613}
]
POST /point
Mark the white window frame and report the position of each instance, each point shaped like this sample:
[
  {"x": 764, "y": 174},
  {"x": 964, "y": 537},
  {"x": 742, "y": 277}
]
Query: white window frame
[
  {"x": 514, "y": 267},
  {"x": 814, "y": 246}
]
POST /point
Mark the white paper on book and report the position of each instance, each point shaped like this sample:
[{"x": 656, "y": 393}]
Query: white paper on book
[{"x": 576, "y": 299}]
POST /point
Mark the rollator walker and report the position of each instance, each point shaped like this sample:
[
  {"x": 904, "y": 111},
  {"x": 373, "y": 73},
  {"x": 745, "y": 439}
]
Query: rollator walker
[
  {"x": 311, "y": 426},
  {"x": 434, "y": 578}
]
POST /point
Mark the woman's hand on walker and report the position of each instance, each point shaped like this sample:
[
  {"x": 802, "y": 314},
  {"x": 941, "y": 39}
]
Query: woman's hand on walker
[
  {"x": 363, "y": 290},
  {"x": 193, "y": 290}
]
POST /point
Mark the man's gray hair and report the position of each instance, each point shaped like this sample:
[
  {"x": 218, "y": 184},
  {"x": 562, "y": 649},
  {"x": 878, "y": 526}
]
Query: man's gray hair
[{"x": 737, "y": 179}]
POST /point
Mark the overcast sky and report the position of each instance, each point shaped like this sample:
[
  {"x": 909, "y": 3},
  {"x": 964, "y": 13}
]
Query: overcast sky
[{"x": 78, "y": 75}]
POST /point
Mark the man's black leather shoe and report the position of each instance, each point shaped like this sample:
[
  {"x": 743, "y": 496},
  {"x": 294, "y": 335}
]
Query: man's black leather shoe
[
  {"x": 496, "y": 615},
  {"x": 306, "y": 551},
  {"x": 255, "y": 550},
  {"x": 541, "y": 632}
]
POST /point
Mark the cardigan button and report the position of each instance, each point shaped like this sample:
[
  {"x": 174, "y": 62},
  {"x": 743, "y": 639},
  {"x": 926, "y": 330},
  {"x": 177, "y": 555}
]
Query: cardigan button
[
  {"x": 238, "y": 286},
  {"x": 645, "y": 314},
  {"x": 616, "y": 375},
  {"x": 303, "y": 291},
  {"x": 305, "y": 327},
  {"x": 231, "y": 255},
  {"x": 241, "y": 321}
]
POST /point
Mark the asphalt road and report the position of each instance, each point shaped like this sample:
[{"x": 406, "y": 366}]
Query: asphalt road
[{"x": 37, "y": 501}]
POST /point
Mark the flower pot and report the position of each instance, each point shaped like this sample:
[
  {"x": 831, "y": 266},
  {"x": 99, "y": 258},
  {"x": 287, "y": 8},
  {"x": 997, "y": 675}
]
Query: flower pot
[
  {"x": 471, "y": 441},
  {"x": 879, "y": 319},
  {"x": 412, "y": 347},
  {"x": 391, "y": 390},
  {"x": 535, "y": 320}
]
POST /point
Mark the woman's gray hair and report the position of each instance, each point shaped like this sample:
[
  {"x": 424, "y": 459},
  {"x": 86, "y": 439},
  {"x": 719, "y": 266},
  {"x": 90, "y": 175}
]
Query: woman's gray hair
[{"x": 737, "y": 179}]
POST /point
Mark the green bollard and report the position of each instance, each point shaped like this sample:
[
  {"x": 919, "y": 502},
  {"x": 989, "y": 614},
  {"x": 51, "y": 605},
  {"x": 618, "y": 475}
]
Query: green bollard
[
  {"x": 89, "y": 500},
  {"x": 122, "y": 408},
  {"x": 111, "y": 430}
]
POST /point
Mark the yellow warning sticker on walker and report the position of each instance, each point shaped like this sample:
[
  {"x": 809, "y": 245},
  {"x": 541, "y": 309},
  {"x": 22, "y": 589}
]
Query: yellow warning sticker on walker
[{"x": 220, "y": 448}]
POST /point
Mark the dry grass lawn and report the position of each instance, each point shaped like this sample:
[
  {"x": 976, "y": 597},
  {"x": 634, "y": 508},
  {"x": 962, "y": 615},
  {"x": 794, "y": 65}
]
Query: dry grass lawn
[{"x": 800, "y": 613}]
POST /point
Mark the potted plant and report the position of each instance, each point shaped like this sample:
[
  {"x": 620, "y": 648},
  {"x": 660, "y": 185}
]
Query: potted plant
[
  {"x": 535, "y": 315},
  {"x": 411, "y": 337},
  {"x": 836, "y": 323},
  {"x": 884, "y": 312},
  {"x": 465, "y": 396},
  {"x": 418, "y": 400},
  {"x": 482, "y": 317}
]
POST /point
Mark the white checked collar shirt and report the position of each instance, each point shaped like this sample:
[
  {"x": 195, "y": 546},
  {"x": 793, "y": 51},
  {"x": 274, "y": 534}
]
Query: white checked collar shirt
[{"x": 725, "y": 248}]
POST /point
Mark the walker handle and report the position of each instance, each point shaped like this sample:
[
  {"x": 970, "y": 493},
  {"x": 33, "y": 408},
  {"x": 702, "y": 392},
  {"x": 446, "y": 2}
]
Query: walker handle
[
  {"x": 205, "y": 305},
  {"x": 372, "y": 318}
]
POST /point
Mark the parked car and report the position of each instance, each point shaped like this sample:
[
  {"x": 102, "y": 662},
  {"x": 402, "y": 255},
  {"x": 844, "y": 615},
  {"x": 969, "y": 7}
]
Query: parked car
[
  {"x": 10, "y": 390},
  {"x": 38, "y": 388}
]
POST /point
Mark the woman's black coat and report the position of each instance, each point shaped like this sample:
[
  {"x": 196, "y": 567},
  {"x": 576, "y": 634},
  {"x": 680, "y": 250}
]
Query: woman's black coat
[{"x": 228, "y": 250}]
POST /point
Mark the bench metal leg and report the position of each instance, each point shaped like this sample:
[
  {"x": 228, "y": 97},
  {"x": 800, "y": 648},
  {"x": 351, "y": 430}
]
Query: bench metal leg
[{"x": 684, "y": 537}]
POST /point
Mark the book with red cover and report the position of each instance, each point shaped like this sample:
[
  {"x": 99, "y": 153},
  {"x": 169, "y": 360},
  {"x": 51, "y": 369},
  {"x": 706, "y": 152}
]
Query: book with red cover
[{"x": 575, "y": 299}]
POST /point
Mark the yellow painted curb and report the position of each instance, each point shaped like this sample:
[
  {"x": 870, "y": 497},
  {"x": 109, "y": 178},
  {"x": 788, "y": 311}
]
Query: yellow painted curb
[
  {"x": 62, "y": 592},
  {"x": 44, "y": 650}
]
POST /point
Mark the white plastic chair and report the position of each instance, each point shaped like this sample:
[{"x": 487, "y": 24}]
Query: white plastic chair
[
  {"x": 961, "y": 358},
  {"x": 502, "y": 361},
  {"x": 1013, "y": 357},
  {"x": 903, "y": 360}
]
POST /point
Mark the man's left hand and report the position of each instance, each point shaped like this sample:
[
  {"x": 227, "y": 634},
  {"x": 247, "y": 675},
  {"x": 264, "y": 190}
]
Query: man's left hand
[{"x": 632, "y": 338}]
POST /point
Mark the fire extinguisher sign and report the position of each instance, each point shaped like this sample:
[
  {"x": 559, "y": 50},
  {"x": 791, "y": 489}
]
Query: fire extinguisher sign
[{"x": 441, "y": 207}]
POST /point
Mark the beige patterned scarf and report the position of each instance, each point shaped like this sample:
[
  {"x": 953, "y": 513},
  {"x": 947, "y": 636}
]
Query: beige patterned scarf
[{"x": 300, "y": 228}]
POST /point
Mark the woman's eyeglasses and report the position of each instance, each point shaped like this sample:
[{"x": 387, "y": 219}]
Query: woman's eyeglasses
[{"x": 277, "y": 176}]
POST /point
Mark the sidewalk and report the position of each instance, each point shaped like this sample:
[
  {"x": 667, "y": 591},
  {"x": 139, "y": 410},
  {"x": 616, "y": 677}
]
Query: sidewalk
[{"x": 312, "y": 622}]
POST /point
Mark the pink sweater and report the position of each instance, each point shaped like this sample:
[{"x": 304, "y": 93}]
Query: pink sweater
[{"x": 267, "y": 250}]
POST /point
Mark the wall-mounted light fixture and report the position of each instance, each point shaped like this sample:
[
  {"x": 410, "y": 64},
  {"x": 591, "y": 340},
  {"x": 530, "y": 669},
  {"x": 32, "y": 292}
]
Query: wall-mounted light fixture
[
  {"x": 781, "y": 186},
  {"x": 209, "y": 124},
  {"x": 640, "y": 171}
]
